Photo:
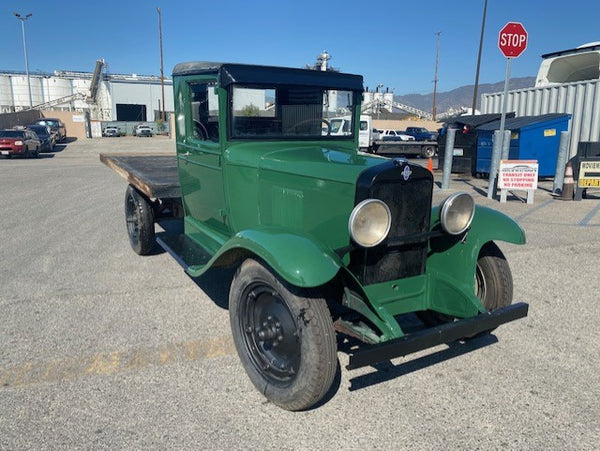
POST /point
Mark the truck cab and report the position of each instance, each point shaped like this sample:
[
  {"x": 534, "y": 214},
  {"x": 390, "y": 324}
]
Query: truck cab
[
  {"x": 421, "y": 134},
  {"x": 367, "y": 135}
]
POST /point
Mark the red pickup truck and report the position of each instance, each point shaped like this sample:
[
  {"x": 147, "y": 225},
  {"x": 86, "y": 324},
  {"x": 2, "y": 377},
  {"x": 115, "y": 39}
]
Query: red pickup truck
[{"x": 19, "y": 142}]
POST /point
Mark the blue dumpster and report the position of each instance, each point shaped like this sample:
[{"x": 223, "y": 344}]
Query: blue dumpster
[{"x": 532, "y": 138}]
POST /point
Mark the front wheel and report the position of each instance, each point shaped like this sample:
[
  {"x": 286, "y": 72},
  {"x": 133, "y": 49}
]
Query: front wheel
[
  {"x": 139, "y": 217},
  {"x": 284, "y": 337},
  {"x": 493, "y": 279}
]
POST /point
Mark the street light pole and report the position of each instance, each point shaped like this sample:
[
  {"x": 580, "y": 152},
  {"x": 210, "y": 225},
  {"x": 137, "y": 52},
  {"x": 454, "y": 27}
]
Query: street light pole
[
  {"x": 23, "y": 19},
  {"x": 162, "y": 77}
]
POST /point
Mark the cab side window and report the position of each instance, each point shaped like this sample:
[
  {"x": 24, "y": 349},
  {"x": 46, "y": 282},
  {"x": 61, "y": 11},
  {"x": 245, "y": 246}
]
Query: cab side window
[{"x": 204, "y": 105}]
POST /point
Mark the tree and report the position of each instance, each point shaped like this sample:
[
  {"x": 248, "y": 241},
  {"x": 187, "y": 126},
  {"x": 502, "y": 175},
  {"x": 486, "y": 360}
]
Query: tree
[{"x": 250, "y": 110}]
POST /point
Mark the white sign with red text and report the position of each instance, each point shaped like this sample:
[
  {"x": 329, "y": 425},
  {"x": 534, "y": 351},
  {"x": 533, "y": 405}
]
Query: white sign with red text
[{"x": 518, "y": 174}]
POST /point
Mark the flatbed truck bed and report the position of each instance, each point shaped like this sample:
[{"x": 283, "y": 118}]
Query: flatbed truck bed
[
  {"x": 154, "y": 175},
  {"x": 425, "y": 149}
]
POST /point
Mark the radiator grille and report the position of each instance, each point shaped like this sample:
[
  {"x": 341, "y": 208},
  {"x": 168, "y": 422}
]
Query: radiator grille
[{"x": 410, "y": 204}]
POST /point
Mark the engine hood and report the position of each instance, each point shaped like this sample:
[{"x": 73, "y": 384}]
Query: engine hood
[{"x": 319, "y": 162}]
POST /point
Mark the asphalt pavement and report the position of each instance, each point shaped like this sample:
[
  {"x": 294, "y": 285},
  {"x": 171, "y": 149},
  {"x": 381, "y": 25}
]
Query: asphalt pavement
[{"x": 103, "y": 349}]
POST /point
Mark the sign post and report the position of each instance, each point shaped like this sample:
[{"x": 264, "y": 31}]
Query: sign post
[{"x": 512, "y": 41}]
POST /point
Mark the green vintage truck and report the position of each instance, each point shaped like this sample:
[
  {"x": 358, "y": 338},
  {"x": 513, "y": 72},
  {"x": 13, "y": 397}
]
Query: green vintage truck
[{"x": 328, "y": 244}]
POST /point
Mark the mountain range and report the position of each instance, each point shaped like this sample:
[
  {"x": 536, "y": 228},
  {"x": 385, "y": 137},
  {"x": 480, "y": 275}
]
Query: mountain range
[{"x": 461, "y": 97}]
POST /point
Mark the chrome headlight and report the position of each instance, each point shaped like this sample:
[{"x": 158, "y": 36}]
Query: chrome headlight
[
  {"x": 456, "y": 213},
  {"x": 370, "y": 222}
]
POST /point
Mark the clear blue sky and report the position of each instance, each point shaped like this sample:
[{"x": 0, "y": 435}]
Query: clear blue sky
[{"x": 387, "y": 41}]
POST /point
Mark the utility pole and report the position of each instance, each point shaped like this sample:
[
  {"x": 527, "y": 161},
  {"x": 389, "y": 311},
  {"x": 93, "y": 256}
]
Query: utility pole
[
  {"x": 23, "y": 19},
  {"x": 162, "y": 77},
  {"x": 474, "y": 106},
  {"x": 435, "y": 80}
]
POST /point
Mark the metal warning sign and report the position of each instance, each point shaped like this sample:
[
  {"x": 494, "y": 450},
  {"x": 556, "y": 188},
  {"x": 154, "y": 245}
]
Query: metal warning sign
[{"x": 589, "y": 174}]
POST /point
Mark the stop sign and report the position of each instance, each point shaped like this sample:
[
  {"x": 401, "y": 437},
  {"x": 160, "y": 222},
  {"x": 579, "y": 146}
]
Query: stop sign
[{"x": 512, "y": 40}]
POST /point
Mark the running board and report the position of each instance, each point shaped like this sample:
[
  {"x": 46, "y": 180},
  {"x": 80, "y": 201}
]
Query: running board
[
  {"x": 434, "y": 336},
  {"x": 185, "y": 251}
]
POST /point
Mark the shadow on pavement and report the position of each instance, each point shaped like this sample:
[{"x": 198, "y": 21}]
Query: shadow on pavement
[{"x": 387, "y": 371}]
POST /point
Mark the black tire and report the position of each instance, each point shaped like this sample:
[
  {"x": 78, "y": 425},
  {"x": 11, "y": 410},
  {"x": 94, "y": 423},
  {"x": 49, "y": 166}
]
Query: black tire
[
  {"x": 493, "y": 284},
  {"x": 493, "y": 279},
  {"x": 139, "y": 218},
  {"x": 428, "y": 151},
  {"x": 284, "y": 337}
]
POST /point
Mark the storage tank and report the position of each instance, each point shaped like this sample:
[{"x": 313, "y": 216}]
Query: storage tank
[{"x": 6, "y": 100}]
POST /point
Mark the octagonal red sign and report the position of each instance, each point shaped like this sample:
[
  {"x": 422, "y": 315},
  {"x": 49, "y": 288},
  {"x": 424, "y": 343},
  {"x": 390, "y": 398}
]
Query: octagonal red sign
[{"x": 512, "y": 39}]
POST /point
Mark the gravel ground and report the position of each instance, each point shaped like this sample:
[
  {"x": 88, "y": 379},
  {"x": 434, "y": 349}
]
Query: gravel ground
[{"x": 103, "y": 349}]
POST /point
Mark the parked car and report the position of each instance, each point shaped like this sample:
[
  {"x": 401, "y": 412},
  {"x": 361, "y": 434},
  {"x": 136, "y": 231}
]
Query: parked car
[
  {"x": 56, "y": 126},
  {"x": 111, "y": 131},
  {"x": 143, "y": 130},
  {"x": 135, "y": 128},
  {"x": 394, "y": 135},
  {"x": 19, "y": 142},
  {"x": 45, "y": 136},
  {"x": 421, "y": 134}
]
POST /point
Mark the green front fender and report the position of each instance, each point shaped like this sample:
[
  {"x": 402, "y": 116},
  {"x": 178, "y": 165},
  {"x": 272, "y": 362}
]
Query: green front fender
[
  {"x": 491, "y": 225},
  {"x": 452, "y": 260},
  {"x": 299, "y": 259}
]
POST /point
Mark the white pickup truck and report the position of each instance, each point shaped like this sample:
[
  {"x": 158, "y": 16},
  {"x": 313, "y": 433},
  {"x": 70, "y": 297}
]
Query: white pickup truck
[{"x": 367, "y": 135}]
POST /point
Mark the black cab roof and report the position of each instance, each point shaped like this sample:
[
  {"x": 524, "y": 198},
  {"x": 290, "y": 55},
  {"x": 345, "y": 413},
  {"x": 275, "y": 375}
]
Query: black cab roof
[{"x": 230, "y": 73}]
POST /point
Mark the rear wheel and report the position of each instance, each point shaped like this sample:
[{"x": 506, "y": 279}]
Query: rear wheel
[
  {"x": 284, "y": 337},
  {"x": 139, "y": 218},
  {"x": 428, "y": 151}
]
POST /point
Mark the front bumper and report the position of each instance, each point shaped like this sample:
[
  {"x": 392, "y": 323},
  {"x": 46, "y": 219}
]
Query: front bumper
[
  {"x": 434, "y": 336},
  {"x": 5, "y": 151}
]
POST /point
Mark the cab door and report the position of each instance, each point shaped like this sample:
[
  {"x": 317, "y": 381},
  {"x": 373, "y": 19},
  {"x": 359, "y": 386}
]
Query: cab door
[{"x": 199, "y": 155}]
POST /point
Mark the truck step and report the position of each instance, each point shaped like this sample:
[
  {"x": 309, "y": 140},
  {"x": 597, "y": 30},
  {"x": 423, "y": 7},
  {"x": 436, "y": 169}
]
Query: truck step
[{"x": 184, "y": 250}]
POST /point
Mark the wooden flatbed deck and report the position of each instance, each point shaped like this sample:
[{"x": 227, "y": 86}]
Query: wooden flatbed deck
[{"x": 154, "y": 175}]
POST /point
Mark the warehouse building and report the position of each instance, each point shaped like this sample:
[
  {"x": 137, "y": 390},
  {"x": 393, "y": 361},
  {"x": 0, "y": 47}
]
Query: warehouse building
[{"x": 107, "y": 97}]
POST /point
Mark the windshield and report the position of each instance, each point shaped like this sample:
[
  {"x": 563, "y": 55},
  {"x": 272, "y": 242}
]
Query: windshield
[
  {"x": 39, "y": 129},
  {"x": 11, "y": 134},
  {"x": 48, "y": 122},
  {"x": 289, "y": 112},
  {"x": 336, "y": 124}
]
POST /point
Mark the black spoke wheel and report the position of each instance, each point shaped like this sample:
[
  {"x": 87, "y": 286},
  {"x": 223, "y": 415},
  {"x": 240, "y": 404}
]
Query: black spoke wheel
[
  {"x": 284, "y": 337},
  {"x": 139, "y": 218}
]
